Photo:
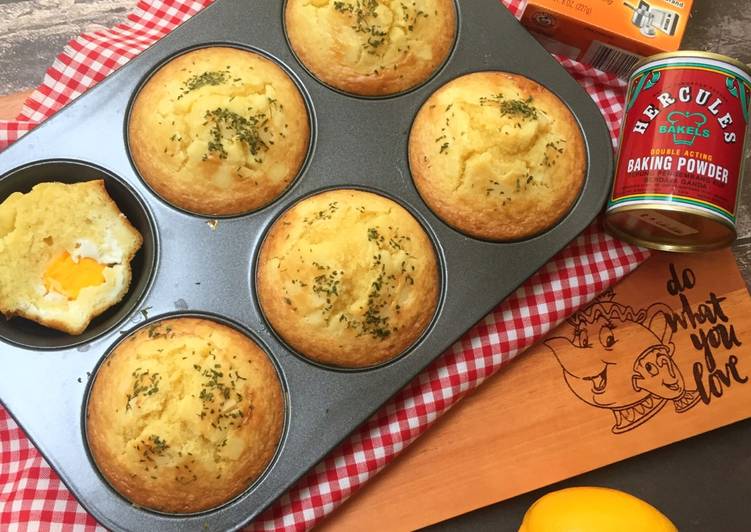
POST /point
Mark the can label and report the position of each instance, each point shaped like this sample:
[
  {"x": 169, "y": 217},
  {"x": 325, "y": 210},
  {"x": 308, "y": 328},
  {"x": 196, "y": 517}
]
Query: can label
[{"x": 683, "y": 137}]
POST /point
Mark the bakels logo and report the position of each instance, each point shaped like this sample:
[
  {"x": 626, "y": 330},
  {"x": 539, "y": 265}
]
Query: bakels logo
[
  {"x": 701, "y": 109},
  {"x": 685, "y": 126}
]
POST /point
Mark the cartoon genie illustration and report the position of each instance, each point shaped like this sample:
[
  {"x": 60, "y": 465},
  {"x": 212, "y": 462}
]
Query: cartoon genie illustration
[{"x": 619, "y": 358}]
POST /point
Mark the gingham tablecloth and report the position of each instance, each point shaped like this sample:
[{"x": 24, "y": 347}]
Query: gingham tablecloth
[{"x": 32, "y": 497}]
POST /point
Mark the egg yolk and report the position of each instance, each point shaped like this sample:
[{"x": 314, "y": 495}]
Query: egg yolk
[{"x": 67, "y": 277}]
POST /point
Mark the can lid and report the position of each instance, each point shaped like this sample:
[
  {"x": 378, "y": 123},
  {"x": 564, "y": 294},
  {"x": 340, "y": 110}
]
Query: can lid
[{"x": 693, "y": 53}]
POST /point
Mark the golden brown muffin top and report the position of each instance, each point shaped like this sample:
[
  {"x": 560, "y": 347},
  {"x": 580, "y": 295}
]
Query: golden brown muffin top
[
  {"x": 184, "y": 414},
  {"x": 371, "y": 47},
  {"x": 497, "y": 155},
  {"x": 348, "y": 278},
  {"x": 219, "y": 131}
]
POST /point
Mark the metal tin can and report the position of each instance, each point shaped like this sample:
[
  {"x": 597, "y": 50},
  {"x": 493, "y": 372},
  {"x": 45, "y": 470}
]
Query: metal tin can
[{"x": 680, "y": 159}]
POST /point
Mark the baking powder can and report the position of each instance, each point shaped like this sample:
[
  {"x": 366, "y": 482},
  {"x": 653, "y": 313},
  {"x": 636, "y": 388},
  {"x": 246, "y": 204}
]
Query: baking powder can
[{"x": 679, "y": 169}]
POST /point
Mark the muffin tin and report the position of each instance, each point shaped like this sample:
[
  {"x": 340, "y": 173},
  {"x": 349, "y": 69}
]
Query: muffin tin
[{"x": 200, "y": 266}]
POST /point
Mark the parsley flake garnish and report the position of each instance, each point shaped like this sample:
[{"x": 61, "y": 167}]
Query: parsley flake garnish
[
  {"x": 214, "y": 78},
  {"x": 517, "y": 108}
]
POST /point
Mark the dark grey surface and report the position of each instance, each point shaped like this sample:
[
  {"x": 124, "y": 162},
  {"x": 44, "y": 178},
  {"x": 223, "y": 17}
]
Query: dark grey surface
[
  {"x": 701, "y": 483},
  {"x": 33, "y": 32},
  {"x": 355, "y": 142}
]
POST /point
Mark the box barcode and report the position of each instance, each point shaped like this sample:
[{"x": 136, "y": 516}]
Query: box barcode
[{"x": 611, "y": 59}]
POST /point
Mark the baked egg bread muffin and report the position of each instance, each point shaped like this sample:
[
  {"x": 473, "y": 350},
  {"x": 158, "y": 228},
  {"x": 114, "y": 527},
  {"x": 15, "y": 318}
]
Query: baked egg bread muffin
[
  {"x": 371, "y": 47},
  {"x": 219, "y": 131},
  {"x": 65, "y": 253},
  {"x": 184, "y": 414},
  {"x": 497, "y": 156},
  {"x": 348, "y": 278}
]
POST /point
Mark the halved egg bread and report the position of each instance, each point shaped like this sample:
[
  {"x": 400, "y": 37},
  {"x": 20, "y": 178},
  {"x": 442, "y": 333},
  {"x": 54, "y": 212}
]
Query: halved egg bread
[
  {"x": 65, "y": 252},
  {"x": 219, "y": 131},
  {"x": 348, "y": 278},
  {"x": 497, "y": 155},
  {"x": 371, "y": 47},
  {"x": 184, "y": 414}
]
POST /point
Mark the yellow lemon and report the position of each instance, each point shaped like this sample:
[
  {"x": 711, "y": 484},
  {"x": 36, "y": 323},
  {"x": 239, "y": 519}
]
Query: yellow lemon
[{"x": 593, "y": 510}]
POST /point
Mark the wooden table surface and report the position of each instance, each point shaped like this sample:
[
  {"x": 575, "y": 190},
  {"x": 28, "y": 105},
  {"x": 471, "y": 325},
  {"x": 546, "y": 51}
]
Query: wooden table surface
[{"x": 32, "y": 32}]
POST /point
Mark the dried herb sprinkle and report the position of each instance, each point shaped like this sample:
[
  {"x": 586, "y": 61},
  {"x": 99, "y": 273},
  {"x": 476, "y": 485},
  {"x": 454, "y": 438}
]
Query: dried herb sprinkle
[
  {"x": 226, "y": 123},
  {"x": 516, "y": 108},
  {"x": 214, "y": 77}
]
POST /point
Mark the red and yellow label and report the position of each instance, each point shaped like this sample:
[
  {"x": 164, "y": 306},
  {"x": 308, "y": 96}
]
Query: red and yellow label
[{"x": 683, "y": 136}]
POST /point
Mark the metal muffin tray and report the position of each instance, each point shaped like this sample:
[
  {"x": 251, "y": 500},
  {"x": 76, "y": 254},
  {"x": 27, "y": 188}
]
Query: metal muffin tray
[{"x": 194, "y": 265}]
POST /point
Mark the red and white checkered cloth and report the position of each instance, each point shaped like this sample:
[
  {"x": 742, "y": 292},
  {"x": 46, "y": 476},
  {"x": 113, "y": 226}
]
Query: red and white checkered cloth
[{"x": 32, "y": 497}]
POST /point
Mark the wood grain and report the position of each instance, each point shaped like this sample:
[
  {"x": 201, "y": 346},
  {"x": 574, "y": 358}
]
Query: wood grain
[
  {"x": 11, "y": 105},
  {"x": 524, "y": 428}
]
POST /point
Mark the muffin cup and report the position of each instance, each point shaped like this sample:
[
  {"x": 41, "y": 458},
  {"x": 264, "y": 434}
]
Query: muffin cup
[
  {"x": 440, "y": 267},
  {"x": 307, "y": 101},
  {"x": 436, "y": 71},
  {"x": 222, "y": 321},
  {"x": 449, "y": 212},
  {"x": 29, "y": 334}
]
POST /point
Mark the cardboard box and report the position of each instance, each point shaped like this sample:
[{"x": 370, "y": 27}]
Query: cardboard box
[{"x": 611, "y": 35}]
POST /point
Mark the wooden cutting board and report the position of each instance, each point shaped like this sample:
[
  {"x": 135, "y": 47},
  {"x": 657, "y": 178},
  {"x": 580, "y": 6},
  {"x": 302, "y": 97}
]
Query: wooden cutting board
[
  {"x": 662, "y": 357},
  {"x": 535, "y": 423}
]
